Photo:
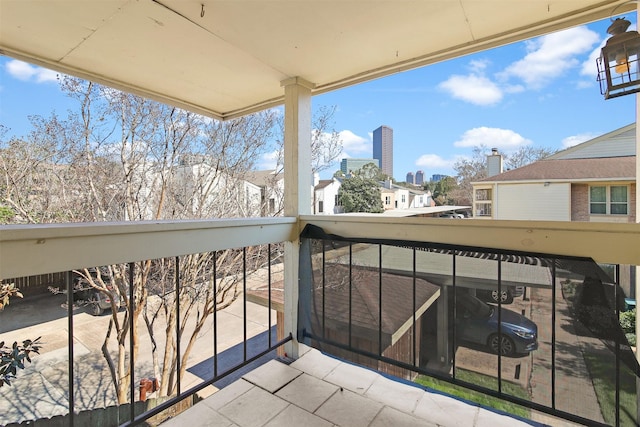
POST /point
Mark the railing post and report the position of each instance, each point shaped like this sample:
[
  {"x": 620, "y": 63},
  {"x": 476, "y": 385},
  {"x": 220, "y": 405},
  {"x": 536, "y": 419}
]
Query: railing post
[{"x": 297, "y": 191}]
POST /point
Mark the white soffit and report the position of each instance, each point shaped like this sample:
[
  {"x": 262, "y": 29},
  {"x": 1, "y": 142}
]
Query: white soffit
[{"x": 228, "y": 58}]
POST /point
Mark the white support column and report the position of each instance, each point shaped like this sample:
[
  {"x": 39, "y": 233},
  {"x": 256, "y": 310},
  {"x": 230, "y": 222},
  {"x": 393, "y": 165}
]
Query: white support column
[{"x": 297, "y": 191}]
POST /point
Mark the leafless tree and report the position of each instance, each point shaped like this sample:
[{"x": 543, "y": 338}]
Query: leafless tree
[
  {"x": 120, "y": 157},
  {"x": 475, "y": 168},
  {"x": 468, "y": 171},
  {"x": 525, "y": 155}
]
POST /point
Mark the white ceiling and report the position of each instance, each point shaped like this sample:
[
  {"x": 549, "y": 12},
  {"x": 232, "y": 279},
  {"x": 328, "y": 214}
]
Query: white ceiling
[{"x": 225, "y": 58}]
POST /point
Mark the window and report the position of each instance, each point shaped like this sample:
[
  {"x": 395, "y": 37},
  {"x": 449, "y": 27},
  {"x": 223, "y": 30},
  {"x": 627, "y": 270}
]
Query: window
[
  {"x": 337, "y": 201},
  {"x": 320, "y": 206},
  {"x": 483, "y": 202},
  {"x": 483, "y": 194},
  {"x": 609, "y": 200},
  {"x": 272, "y": 205},
  {"x": 403, "y": 198},
  {"x": 618, "y": 200},
  {"x": 483, "y": 209},
  {"x": 387, "y": 200}
]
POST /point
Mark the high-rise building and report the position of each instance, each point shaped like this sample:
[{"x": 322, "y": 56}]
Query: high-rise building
[
  {"x": 437, "y": 177},
  {"x": 410, "y": 178},
  {"x": 419, "y": 178},
  {"x": 383, "y": 149},
  {"x": 352, "y": 165}
]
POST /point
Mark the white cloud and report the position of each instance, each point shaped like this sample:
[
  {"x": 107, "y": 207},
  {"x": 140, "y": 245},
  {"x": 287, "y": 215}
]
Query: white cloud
[
  {"x": 478, "y": 65},
  {"x": 491, "y": 137},
  {"x": 434, "y": 161},
  {"x": 354, "y": 143},
  {"x": 26, "y": 72},
  {"x": 589, "y": 67},
  {"x": 473, "y": 88},
  {"x": 552, "y": 55},
  {"x": 570, "y": 141},
  {"x": 269, "y": 160}
]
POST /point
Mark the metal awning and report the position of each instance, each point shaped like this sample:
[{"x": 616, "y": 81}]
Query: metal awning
[{"x": 228, "y": 58}]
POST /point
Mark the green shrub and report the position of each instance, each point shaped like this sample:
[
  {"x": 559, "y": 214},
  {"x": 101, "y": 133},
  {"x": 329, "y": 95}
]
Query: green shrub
[
  {"x": 6, "y": 214},
  {"x": 631, "y": 338},
  {"x": 628, "y": 321}
]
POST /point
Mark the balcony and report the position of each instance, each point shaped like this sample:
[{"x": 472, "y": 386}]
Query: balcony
[
  {"x": 179, "y": 324},
  {"x": 358, "y": 289}
]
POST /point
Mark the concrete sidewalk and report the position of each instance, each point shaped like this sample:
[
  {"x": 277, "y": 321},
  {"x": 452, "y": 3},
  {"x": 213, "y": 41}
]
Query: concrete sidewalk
[{"x": 574, "y": 391}]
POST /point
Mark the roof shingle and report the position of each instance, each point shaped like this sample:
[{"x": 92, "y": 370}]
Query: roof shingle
[{"x": 609, "y": 168}]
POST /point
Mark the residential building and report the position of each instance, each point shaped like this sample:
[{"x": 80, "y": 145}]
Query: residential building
[
  {"x": 594, "y": 181},
  {"x": 388, "y": 197},
  {"x": 419, "y": 178},
  {"x": 349, "y": 165},
  {"x": 271, "y": 184},
  {"x": 225, "y": 194},
  {"x": 383, "y": 148},
  {"x": 420, "y": 199},
  {"x": 411, "y": 179},
  {"x": 325, "y": 197},
  {"x": 398, "y": 197}
]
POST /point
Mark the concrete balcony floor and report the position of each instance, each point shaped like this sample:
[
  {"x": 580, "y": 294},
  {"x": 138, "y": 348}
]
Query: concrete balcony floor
[{"x": 318, "y": 390}]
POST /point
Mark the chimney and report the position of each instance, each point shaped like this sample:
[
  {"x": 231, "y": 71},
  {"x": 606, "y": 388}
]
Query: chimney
[
  {"x": 494, "y": 163},
  {"x": 316, "y": 179}
]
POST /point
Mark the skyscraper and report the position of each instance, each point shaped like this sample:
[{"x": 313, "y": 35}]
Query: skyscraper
[
  {"x": 410, "y": 178},
  {"x": 419, "y": 178},
  {"x": 383, "y": 148}
]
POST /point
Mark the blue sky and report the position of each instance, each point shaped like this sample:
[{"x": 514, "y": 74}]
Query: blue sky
[{"x": 542, "y": 92}]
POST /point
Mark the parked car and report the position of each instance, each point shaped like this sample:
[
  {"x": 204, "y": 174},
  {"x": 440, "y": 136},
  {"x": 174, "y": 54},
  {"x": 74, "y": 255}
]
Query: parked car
[
  {"x": 505, "y": 296},
  {"x": 96, "y": 300},
  {"x": 451, "y": 215},
  {"x": 477, "y": 322}
]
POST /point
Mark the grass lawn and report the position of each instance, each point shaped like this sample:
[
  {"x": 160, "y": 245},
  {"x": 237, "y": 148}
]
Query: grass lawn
[
  {"x": 602, "y": 370},
  {"x": 480, "y": 398}
]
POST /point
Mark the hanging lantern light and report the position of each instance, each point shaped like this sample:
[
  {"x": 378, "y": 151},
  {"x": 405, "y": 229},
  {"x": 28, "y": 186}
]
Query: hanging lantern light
[{"x": 618, "y": 71}]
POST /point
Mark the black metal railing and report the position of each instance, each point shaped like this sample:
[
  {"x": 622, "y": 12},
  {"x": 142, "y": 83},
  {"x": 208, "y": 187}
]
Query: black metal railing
[
  {"x": 173, "y": 331},
  {"x": 540, "y": 332}
]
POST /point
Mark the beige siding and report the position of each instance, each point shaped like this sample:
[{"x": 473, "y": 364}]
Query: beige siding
[{"x": 533, "y": 202}]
